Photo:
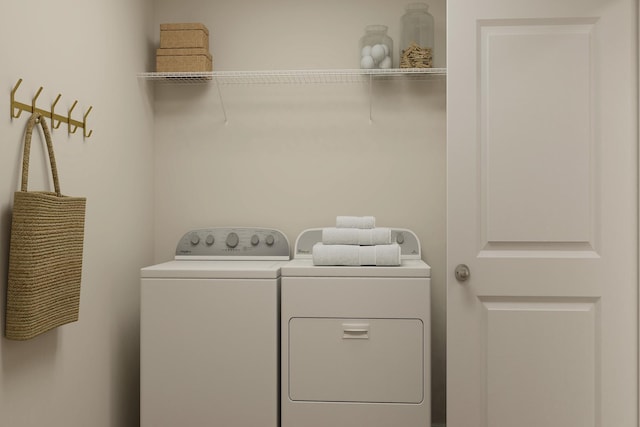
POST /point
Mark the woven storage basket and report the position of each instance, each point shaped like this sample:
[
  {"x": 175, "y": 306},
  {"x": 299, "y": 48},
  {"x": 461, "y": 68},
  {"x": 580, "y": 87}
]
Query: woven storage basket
[
  {"x": 180, "y": 60},
  {"x": 184, "y": 35},
  {"x": 45, "y": 255}
]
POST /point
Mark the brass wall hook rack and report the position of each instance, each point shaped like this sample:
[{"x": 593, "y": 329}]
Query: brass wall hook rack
[{"x": 56, "y": 119}]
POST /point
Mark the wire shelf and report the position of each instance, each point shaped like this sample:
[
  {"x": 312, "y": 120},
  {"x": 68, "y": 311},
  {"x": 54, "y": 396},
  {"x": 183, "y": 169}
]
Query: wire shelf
[
  {"x": 222, "y": 78},
  {"x": 294, "y": 76}
]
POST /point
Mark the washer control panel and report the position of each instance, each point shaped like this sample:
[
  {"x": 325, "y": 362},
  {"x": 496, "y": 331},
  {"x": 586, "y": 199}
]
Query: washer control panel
[{"x": 233, "y": 243}]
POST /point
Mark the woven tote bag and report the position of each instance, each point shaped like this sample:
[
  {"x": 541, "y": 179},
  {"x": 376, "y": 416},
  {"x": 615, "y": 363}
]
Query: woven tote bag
[{"x": 45, "y": 254}]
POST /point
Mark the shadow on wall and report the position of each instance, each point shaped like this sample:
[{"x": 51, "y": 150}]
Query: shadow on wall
[
  {"x": 5, "y": 235},
  {"x": 19, "y": 358}
]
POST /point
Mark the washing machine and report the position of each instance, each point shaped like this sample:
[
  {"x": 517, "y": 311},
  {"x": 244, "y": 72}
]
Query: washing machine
[
  {"x": 355, "y": 340},
  {"x": 209, "y": 331}
]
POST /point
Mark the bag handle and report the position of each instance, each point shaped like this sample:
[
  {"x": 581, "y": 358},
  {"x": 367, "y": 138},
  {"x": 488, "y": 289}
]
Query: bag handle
[{"x": 37, "y": 118}]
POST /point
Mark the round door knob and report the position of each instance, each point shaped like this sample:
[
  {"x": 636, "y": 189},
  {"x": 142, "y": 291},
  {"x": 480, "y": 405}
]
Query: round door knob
[
  {"x": 255, "y": 240},
  {"x": 270, "y": 240},
  {"x": 232, "y": 240},
  {"x": 195, "y": 239},
  {"x": 209, "y": 240},
  {"x": 462, "y": 273}
]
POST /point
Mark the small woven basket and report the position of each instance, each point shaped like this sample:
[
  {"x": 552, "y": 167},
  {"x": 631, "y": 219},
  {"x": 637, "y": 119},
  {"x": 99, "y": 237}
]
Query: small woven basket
[{"x": 45, "y": 255}]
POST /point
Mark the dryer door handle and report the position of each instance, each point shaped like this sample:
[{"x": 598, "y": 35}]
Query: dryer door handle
[{"x": 355, "y": 331}]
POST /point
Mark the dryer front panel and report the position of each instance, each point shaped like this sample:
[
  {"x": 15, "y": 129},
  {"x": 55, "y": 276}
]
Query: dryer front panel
[{"x": 355, "y": 351}]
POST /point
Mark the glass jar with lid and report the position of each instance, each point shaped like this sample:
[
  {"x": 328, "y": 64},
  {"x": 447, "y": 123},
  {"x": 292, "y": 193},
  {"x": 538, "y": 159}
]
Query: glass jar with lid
[
  {"x": 416, "y": 43},
  {"x": 376, "y": 48}
]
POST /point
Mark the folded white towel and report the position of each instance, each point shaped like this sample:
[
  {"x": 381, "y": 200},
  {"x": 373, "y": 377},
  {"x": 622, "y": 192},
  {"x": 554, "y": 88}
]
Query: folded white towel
[
  {"x": 355, "y": 222},
  {"x": 356, "y": 255},
  {"x": 356, "y": 236}
]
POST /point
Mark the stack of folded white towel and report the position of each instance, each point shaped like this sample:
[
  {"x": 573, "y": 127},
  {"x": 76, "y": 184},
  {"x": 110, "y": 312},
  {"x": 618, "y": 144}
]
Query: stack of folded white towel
[{"x": 356, "y": 241}]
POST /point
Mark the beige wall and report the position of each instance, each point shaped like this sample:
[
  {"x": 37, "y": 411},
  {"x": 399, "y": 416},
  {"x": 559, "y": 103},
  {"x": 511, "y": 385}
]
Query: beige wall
[
  {"x": 86, "y": 373},
  {"x": 290, "y": 157},
  {"x": 295, "y": 156}
]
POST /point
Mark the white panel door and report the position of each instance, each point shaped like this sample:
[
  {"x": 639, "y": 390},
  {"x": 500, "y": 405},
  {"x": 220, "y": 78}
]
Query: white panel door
[{"x": 542, "y": 207}]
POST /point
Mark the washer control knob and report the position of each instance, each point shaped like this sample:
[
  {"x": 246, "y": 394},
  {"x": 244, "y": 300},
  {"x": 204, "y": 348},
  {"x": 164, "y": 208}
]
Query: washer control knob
[
  {"x": 255, "y": 239},
  {"x": 209, "y": 240},
  {"x": 232, "y": 240},
  {"x": 400, "y": 238},
  {"x": 270, "y": 240},
  {"x": 195, "y": 239}
]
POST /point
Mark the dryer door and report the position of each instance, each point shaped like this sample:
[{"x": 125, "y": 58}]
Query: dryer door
[{"x": 356, "y": 360}]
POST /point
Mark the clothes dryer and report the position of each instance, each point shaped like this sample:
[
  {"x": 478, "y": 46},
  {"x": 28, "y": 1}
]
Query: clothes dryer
[{"x": 355, "y": 340}]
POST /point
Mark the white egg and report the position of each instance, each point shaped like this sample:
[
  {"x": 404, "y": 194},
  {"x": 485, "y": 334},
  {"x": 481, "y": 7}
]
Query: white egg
[
  {"x": 367, "y": 62},
  {"x": 366, "y": 51},
  {"x": 386, "y": 49},
  {"x": 377, "y": 52},
  {"x": 386, "y": 62}
]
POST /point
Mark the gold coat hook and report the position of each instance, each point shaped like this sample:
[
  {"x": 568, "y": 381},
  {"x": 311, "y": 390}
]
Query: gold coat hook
[
  {"x": 13, "y": 100},
  {"x": 75, "y": 128},
  {"x": 84, "y": 124},
  {"x": 53, "y": 115},
  {"x": 33, "y": 101}
]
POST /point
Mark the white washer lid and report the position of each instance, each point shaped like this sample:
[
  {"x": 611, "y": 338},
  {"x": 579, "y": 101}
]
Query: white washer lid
[
  {"x": 303, "y": 267},
  {"x": 223, "y": 269}
]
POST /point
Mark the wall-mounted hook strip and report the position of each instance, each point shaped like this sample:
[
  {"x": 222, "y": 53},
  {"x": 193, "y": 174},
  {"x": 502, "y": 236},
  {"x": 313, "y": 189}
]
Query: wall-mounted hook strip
[{"x": 56, "y": 119}]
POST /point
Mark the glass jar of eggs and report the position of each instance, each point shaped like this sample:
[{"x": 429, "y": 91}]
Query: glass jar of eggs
[{"x": 376, "y": 48}]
